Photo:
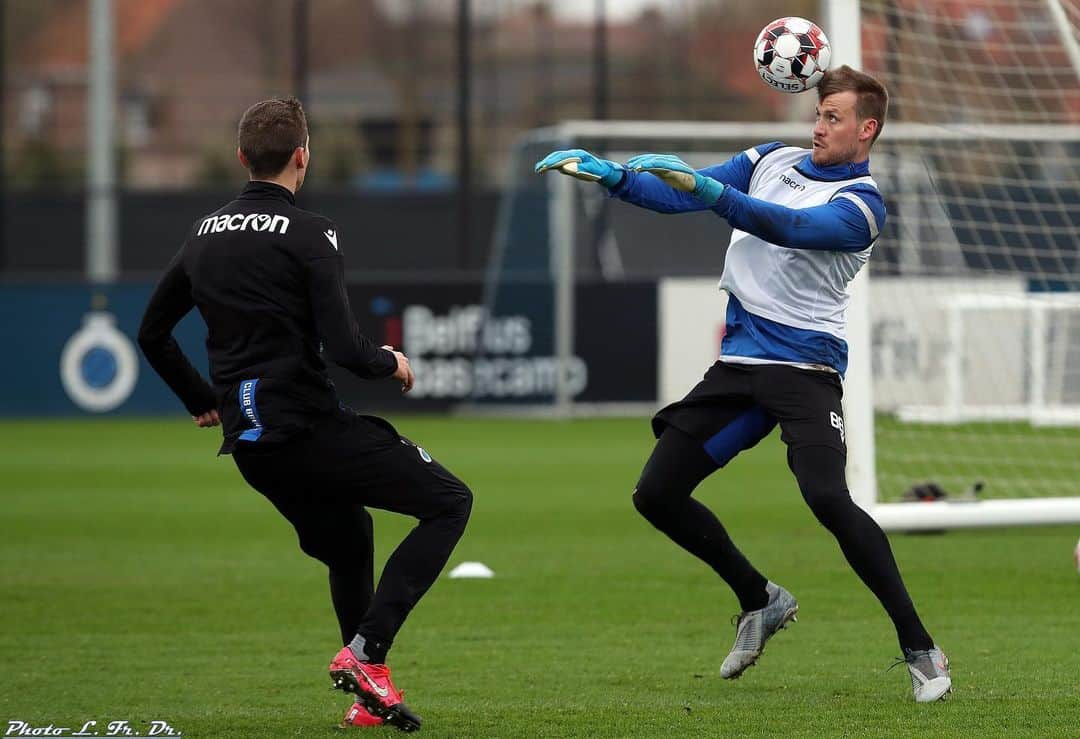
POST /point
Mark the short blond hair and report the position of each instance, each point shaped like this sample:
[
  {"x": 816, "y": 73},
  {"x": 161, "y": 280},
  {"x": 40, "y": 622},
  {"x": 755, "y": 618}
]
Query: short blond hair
[{"x": 871, "y": 97}]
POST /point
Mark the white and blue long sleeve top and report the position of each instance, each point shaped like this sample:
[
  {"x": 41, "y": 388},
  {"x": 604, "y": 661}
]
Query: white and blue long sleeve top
[{"x": 801, "y": 233}]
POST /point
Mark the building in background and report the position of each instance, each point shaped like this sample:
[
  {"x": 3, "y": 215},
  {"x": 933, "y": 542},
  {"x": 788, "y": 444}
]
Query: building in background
[{"x": 382, "y": 81}]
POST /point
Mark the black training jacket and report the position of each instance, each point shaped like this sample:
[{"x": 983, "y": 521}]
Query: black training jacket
[{"x": 268, "y": 279}]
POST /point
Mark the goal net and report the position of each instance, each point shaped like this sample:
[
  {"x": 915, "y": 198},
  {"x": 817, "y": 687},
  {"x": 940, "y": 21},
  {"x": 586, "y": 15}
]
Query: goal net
[
  {"x": 965, "y": 335},
  {"x": 975, "y": 294}
]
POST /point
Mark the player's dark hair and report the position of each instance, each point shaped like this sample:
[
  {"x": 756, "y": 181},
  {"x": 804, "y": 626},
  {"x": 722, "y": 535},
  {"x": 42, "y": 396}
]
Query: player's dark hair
[
  {"x": 871, "y": 97},
  {"x": 269, "y": 133}
]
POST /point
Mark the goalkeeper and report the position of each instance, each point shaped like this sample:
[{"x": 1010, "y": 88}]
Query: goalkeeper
[{"x": 804, "y": 224}]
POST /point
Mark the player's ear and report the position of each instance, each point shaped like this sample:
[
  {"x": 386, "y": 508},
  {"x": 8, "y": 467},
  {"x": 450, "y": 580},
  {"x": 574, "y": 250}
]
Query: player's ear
[
  {"x": 242, "y": 158},
  {"x": 868, "y": 128},
  {"x": 301, "y": 157}
]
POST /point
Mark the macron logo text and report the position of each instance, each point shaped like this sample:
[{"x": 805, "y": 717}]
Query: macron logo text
[
  {"x": 791, "y": 183},
  {"x": 243, "y": 222}
]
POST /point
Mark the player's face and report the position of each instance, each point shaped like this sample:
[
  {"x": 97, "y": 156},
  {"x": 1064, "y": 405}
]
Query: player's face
[{"x": 836, "y": 129}]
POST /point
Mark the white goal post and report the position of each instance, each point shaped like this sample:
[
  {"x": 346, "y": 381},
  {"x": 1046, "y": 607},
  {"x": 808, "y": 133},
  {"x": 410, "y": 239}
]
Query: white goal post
[{"x": 844, "y": 20}]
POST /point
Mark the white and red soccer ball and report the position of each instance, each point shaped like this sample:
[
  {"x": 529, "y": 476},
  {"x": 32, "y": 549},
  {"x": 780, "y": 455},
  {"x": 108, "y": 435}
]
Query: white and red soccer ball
[{"x": 791, "y": 54}]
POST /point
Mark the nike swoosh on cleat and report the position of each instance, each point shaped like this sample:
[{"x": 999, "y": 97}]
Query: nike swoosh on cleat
[{"x": 382, "y": 692}]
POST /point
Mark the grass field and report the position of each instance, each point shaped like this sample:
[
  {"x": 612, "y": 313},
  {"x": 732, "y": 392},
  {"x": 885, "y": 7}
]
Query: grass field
[
  {"x": 1014, "y": 460},
  {"x": 141, "y": 580}
]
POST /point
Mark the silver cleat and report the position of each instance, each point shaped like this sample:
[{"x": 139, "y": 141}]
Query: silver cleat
[
  {"x": 754, "y": 628},
  {"x": 929, "y": 670}
]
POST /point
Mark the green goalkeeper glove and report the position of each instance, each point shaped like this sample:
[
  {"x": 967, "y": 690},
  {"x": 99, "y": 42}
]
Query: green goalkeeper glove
[
  {"x": 679, "y": 175},
  {"x": 582, "y": 165}
]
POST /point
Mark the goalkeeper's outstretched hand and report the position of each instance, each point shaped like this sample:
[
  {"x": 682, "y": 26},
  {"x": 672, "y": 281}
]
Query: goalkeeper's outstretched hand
[
  {"x": 679, "y": 175},
  {"x": 582, "y": 165}
]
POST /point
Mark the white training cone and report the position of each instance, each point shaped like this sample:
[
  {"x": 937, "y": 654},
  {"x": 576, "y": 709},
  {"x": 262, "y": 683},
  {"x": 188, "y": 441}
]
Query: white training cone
[{"x": 471, "y": 569}]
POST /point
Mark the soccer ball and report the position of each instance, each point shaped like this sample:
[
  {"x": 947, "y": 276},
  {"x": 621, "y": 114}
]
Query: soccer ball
[{"x": 791, "y": 54}]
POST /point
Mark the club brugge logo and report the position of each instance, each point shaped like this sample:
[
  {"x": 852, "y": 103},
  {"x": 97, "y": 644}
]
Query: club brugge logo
[{"x": 98, "y": 365}]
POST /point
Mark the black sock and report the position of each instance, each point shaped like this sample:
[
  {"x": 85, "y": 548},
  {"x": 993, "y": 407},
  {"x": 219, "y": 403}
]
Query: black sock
[
  {"x": 677, "y": 465},
  {"x": 350, "y": 592},
  {"x": 820, "y": 472}
]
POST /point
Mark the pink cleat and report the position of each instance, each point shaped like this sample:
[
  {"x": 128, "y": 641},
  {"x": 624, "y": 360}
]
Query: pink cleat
[
  {"x": 373, "y": 689},
  {"x": 360, "y": 716}
]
